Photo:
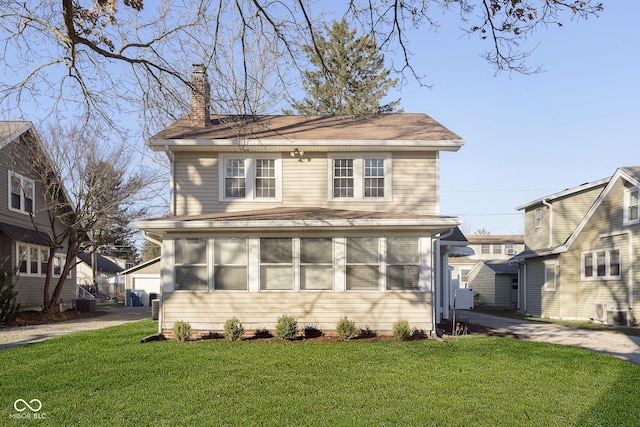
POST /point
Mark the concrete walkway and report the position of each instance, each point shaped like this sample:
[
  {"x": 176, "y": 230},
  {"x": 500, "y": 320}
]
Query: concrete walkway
[
  {"x": 618, "y": 345},
  {"x": 23, "y": 335}
]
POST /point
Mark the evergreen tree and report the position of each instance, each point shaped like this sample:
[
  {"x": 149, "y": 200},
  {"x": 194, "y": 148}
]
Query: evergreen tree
[
  {"x": 9, "y": 306},
  {"x": 349, "y": 76}
]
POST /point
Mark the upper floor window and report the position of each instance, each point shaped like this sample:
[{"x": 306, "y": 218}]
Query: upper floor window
[
  {"x": 485, "y": 249},
  {"x": 537, "y": 219},
  {"x": 21, "y": 193},
  {"x": 497, "y": 249},
  {"x": 601, "y": 264},
  {"x": 631, "y": 206},
  {"x": 360, "y": 177},
  {"x": 509, "y": 249},
  {"x": 257, "y": 177}
]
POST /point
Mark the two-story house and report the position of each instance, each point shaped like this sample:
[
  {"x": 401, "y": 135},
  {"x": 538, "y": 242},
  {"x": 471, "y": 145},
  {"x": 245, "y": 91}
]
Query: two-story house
[
  {"x": 494, "y": 281},
  {"x": 318, "y": 217},
  {"x": 25, "y": 226},
  {"x": 581, "y": 258}
]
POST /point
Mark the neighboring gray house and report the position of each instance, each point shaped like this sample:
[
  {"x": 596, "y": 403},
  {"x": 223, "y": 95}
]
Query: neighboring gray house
[
  {"x": 108, "y": 282},
  {"x": 318, "y": 217},
  {"x": 582, "y": 244},
  {"x": 495, "y": 285},
  {"x": 25, "y": 239}
]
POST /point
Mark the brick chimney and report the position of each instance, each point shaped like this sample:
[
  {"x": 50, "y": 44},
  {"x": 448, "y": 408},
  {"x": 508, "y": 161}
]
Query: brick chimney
[{"x": 200, "y": 96}]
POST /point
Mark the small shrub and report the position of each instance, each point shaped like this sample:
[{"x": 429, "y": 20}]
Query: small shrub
[
  {"x": 346, "y": 329},
  {"x": 262, "y": 333},
  {"x": 310, "y": 331},
  {"x": 233, "y": 329},
  {"x": 287, "y": 327},
  {"x": 401, "y": 330},
  {"x": 182, "y": 330},
  {"x": 9, "y": 306}
]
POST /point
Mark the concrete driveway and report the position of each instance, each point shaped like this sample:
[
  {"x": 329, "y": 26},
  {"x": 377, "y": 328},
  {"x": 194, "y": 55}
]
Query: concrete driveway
[
  {"x": 23, "y": 335},
  {"x": 618, "y": 345}
]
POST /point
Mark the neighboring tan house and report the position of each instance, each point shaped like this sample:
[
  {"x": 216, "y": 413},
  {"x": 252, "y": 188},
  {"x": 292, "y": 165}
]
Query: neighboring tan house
[
  {"x": 25, "y": 228},
  {"x": 581, "y": 259},
  {"x": 143, "y": 280},
  {"x": 318, "y": 217},
  {"x": 108, "y": 283}
]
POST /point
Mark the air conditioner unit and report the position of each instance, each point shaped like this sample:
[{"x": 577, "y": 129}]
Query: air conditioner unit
[
  {"x": 600, "y": 312},
  {"x": 510, "y": 251}
]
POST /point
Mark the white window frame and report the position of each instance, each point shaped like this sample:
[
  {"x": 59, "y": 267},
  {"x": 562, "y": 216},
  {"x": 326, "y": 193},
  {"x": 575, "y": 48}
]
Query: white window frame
[
  {"x": 496, "y": 249},
  {"x": 548, "y": 284},
  {"x": 537, "y": 218},
  {"x": 24, "y": 181},
  {"x": 40, "y": 266},
  {"x": 358, "y": 175},
  {"x": 594, "y": 259},
  {"x": 627, "y": 206},
  {"x": 250, "y": 176}
]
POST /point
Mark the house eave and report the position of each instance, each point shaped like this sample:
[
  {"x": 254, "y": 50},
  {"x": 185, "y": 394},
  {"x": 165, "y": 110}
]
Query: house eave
[{"x": 280, "y": 145}]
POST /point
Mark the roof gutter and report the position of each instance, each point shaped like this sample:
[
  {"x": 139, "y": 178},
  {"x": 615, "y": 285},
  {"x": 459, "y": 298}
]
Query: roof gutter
[{"x": 547, "y": 204}]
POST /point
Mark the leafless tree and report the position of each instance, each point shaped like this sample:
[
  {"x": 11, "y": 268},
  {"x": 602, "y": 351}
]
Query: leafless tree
[
  {"x": 112, "y": 59},
  {"x": 85, "y": 182}
]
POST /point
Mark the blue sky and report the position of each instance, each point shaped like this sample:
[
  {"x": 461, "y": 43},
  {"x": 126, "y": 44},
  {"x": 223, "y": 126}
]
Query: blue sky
[{"x": 529, "y": 136}]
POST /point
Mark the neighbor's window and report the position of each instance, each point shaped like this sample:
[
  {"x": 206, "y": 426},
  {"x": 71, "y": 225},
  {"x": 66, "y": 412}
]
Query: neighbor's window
[
  {"x": 464, "y": 275},
  {"x": 363, "y": 261},
  {"x": 21, "y": 193},
  {"x": 550, "y": 276},
  {"x": 230, "y": 264},
  {"x": 485, "y": 248},
  {"x": 403, "y": 263},
  {"x": 191, "y": 264},
  {"x": 276, "y": 264},
  {"x": 497, "y": 249},
  {"x": 250, "y": 177},
  {"x": 537, "y": 219},
  {"x": 601, "y": 264},
  {"x": 632, "y": 207},
  {"x": 316, "y": 263},
  {"x": 32, "y": 260},
  {"x": 360, "y": 177}
]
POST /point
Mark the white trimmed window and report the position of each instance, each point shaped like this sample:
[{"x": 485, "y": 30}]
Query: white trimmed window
[
  {"x": 537, "y": 218},
  {"x": 316, "y": 263},
  {"x": 631, "y": 206},
  {"x": 550, "y": 276},
  {"x": 403, "y": 263},
  {"x": 276, "y": 264},
  {"x": 230, "y": 264},
  {"x": 363, "y": 263},
  {"x": 601, "y": 264},
  {"x": 257, "y": 177},
  {"x": 485, "y": 249},
  {"x": 32, "y": 260},
  {"x": 497, "y": 249},
  {"x": 21, "y": 193},
  {"x": 360, "y": 177},
  {"x": 191, "y": 264}
]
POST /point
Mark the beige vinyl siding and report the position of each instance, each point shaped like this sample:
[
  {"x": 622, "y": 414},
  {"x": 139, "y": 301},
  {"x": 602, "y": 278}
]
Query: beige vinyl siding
[
  {"x": 536, "y": 238},
  {"x": 569, "y": 211},
  {"x": 378, "y": 310},
  {"x": 305, "y": 184},
  {"x": 494, "y": 290}
]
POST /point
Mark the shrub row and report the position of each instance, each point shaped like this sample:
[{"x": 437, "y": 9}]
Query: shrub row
[{"x": 287, "y": 329}]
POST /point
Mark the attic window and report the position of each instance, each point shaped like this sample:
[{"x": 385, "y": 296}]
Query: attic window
[
  {"x": 631, "y": 206},
  {"x": 21, "y": 194},
  {"x": 537, "y": 221}
]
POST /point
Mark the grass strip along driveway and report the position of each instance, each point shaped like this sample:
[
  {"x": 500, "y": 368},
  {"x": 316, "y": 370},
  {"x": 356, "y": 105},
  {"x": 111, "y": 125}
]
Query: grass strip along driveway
[{"x": 109, "y": 378}]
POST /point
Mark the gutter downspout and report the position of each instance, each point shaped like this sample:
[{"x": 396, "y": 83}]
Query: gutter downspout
[
  {"x": 436, "y": 282},
  {"x": 629, "y": 235},
  {"x": 547, "y": 204},
  {"x": 172, "y": 199}
]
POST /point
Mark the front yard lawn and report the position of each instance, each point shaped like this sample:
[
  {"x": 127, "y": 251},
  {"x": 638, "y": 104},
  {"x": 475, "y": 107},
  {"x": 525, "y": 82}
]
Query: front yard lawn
[{"x": 109, "y": 378}]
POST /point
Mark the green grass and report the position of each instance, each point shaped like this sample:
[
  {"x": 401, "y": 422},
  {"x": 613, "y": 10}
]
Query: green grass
[
  {"x": 109, "y": 378},
  {"x": 577, "y": 324}
]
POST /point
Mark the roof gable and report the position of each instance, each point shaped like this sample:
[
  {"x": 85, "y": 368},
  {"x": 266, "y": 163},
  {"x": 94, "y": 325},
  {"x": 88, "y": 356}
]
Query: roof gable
[
  {"x": 10, "y": 131},
  {"x": 629, "y": 174}
]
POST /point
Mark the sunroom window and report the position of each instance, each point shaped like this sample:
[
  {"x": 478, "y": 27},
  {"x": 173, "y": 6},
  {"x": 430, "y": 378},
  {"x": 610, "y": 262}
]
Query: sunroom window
[
  {"x": 230, "y": 269},
  {"x": 363, "y": 263},
  {"x": 276, "y": 264},
  {"x": 191, "y": 264},
  {"x": 316, "y": 264},
  {"x": 403, "y": 263}
]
